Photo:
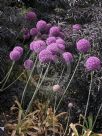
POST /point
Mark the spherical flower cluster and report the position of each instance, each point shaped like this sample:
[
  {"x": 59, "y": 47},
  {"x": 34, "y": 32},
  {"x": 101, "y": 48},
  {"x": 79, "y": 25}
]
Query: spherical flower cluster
[
  {"x": 83, "y": 45},
  {"x": 41, "y": 26},
  {"x": 77, "y": 27},
  {"x": 50, "y": 40},
  {"x": 56, "y": 88},
  {"x": 54, "y": 31},
  {"x": 68, "y": 57},
  {"x": 60, "y": 41},
  {"x": 46, "y": 56},
  {"x": 70, "y": 105},
  {"x": 28, "y": 64},
  {"x": 15, "y": 55},
  {"x": 31, "y": 16},
  {"x": 26, "y": 34},
  {"x": 93, "y": 63},
  {"x": 18, "y": 48},
  {"x": 37, "y": 46},
  {"x": 33, "y": 31},
  {"x": 53, "y": 48},
  {"x": 61, "y": 46}
]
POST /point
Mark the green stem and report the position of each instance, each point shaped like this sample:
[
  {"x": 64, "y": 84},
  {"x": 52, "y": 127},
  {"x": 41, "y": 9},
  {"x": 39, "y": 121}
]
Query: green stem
[
  {"x": 37, "y": 89},
  {"x": 66, "y": 129},
  {"x": 13, "y": 81},
  {"x": 8, "y": 75},
  {"x": 97, "y": 116},
  {"x": 69, "y": 82},
  {"x": 23, "y": 95},
  {"x": 87, "y": 104},
  {"x": 55, "y": 102}
]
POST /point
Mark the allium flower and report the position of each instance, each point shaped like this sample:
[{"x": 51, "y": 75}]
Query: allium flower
[
  {"x": 56, "y": 88},
  {"x": 77, "y": 27},
  {"x": 70, "y": 105},
  {"x": 38, "y": 46},
  {"x": 15, "y": 55},
  {"x": 33, "y": 31},
  {"x": 26, "y": 36},
  {"x": 53, "y": 48},
  {"x": 46, "y": 56},
  {"x": 41, "y": 26},
  {"x": 50, "y": 40},
  {"x": 60, "y": 41},
  {"x": 18, "y": 48},
  {"x": 30, "y": 16},
  {"x": 83, "y": 45},
  {"x": 54, "y": 31},
  {"x": 93, "y": 63},
  {"x": 61, "y": 46},
  {"x": 28, "y": 64},
  {"x": 68, "y": 57},
  {"x": 31, "y": 46}
]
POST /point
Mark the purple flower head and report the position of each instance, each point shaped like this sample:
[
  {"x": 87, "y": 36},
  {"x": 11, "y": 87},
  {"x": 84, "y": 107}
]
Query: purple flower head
[
  {"x": 56, "y": 88},
  {"x": 33, "y": 31},
  {"x": 61, "y": 46},
  {"x": 54, "y": 31},
  {"x": 31, "y": 45},
  {"x": 46, "y": 56},
  {"x": 26, "y": 36},
  {"x": 25, "y": 31},
  {"x": 53, "y": 48},
  {"x": 60, "y": 41},
  {"x": 50, "y": 40},
  {"x": 77, "y": 27},
  {"x": 83, "y": 45},
  {"x": 93, "y": 63},
  {"x": 31, "y": 16},
  {"x": 38, "y": 46},
  {"x": 68, "y": 57},
  {"x": 28, "y": 64},
  {"x": 41, "y": 26},
  {"x": 18, "y": 48},
  {"x": 15, "y": 55}
]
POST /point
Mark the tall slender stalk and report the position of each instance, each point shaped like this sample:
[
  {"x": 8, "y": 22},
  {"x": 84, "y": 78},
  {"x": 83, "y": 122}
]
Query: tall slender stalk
[
  {"x": 97, "y": 116},
  {"x": 4, "y": 78},
  {"x": 87, "y": 104},
  {"x": 13, "y": 82},
  {"x": 69, "y": 82},
  {"x": 23, "y": 95},
  {"x": 37, "y": 89},
  {"x": 66, "y": 129},
  {"x": 8, "y": 75},
  {"x": 61, "y": 75}
]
